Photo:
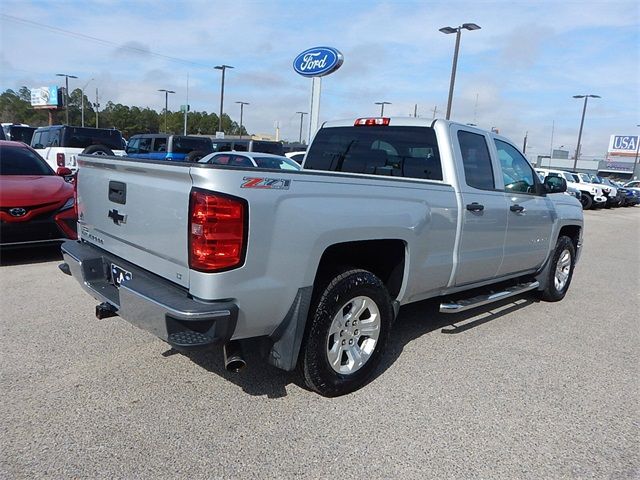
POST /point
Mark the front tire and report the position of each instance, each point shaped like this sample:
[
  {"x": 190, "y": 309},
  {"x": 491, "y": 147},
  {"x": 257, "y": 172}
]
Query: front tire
[
  {"x": 560, "y": 271},
  {"x": 587, "y": 201},
  {"x": 348, "y": 328}
]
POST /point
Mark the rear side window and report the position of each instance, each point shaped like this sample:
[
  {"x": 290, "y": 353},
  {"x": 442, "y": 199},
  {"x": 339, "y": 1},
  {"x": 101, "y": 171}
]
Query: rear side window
[
  {"x": 22, "y": 161},
  {"x": 160, "y": 144},
  {"x": 240, "y": 146},
  {"x": 478, "y": 170},
  {"x": 189, "y": 144},
  {"x": 379, "y": 150},
  {"x": 221, "y": 146},
  {"x": 78, "y": 137}
]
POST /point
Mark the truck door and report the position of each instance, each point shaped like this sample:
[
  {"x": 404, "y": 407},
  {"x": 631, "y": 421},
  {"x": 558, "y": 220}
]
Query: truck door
[
  {"x": 530, "y": 214},
  {"x": 484, "y": 209}
]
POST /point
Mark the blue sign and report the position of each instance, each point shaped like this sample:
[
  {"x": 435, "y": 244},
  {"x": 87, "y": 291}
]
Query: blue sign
[
  {"x": 318, "y": 62},
  {"x": 623, "y": 143}
]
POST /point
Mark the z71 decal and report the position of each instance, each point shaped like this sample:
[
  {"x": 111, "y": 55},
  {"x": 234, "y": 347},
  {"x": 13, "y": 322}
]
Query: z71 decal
[{"x": 274, "y": 183}]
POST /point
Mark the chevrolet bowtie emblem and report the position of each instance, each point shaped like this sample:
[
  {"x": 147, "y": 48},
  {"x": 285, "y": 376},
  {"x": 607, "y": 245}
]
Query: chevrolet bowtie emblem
[{"x": 117, "y": 218}]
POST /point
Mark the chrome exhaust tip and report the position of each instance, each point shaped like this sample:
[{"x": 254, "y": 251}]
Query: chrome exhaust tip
[{"x": 233, "y": 358}]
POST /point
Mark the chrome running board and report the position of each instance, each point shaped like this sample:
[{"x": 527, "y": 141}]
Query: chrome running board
[{"x": 469, "y": 303}]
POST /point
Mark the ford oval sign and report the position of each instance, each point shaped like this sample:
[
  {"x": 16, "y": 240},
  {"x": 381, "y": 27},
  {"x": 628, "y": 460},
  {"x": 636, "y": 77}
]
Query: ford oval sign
[{"x": 318, "y": 62}]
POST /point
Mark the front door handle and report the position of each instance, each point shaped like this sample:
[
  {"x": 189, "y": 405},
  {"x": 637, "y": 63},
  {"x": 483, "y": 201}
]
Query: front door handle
[
  {"x": 475, "y": 207},
  {"x": 516, "y": 208}
]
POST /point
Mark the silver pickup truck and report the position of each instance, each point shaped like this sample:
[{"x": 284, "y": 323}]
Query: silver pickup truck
[{"x": 316, "y": 263}]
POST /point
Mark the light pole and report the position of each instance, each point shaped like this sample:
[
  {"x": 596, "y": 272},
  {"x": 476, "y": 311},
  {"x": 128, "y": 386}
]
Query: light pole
[
  {"x": 82, "y": 100},
  {"x": 242, "y": 104},
  {"x": 166, "y": 105},
  {"x": 382, "y": 104},
  {"x": 457, "y": 31},
  {"x": 584, "y": 109},
  {"x": 302, "y": 114},
  {"x": 635, "y": 162},
  {"x": 66, "y": 93},
  {"x": 223, "y": 68}
]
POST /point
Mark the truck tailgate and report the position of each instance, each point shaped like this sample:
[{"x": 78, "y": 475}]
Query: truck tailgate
[{"x": 137, "y": 211}]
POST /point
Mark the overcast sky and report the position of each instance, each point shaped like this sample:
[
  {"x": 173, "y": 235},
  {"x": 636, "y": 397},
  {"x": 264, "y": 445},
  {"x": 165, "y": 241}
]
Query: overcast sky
[{"x": 518, "y": 73}]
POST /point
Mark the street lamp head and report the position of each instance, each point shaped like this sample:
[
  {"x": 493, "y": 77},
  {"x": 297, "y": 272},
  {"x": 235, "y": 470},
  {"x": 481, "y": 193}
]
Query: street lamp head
[
  {"x": 448, "y": 30},
  {"x": 588, "y": 96},
  {"x": 65, "y": 75},
  {"x": 471, "y": 26},
  {"x": 594, "y": 96},
  {"x": 382, "y": 103},
  {"x": 244, "y": 103},
  {"x": 222, "y": 67},
  {"x": 579, "y": 96}
]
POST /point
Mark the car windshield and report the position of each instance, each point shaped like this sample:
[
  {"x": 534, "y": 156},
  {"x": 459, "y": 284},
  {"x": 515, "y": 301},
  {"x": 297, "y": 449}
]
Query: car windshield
[
  {"x": 22, "y": 161},
  {"x": 584, "y": 177},
  {"x": 190, "y": 144},
  {"x": 276, "y": 163},
  {"x": 596, "y": 179}
]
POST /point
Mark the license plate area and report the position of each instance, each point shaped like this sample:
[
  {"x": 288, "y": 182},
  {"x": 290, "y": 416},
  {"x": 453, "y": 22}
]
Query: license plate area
[{"x": 119, "y": 275}]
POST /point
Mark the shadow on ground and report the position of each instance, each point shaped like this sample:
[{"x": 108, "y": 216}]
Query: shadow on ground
[
  {"x": 417, "y": 319},
  {"x": 25, "y": 256}
]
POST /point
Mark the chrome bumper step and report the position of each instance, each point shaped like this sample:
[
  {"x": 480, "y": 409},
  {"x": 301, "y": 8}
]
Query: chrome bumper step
[{"x": 473, "y": 302}]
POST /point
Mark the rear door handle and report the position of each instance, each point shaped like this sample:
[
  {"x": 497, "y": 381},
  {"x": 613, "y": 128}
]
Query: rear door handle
[
  {"x": 516, "y": 208},
  {"x": 475, "y": 207}
]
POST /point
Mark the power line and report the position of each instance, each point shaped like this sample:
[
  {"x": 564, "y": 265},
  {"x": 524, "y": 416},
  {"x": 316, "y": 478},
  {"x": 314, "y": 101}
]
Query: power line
[{"x": 83, "y": 36}]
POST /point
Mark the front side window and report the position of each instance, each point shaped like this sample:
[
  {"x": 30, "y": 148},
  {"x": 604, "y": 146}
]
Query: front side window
[
  {"x": 516, "y": 170},
  {"x": 144, "y": 146},
  {"x": 410, "y": 152},
  {"x": 478, "y": 170},
  {"x": 132, "y": 147}
]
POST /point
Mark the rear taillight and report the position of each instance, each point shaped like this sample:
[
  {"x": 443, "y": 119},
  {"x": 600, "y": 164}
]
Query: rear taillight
[
  {"x": 60, "y": 159},
  {"x": 217, "y": 231},
  {"x": 366, "y": 122}
]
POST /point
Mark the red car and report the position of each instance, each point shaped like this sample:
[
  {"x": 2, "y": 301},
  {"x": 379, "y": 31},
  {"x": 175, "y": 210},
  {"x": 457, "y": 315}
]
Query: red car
[{"x": 36, "y": 205}]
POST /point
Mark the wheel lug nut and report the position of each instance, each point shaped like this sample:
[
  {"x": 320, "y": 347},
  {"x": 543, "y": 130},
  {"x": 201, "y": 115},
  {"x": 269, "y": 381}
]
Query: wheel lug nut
[
  {"x": 341, "y": 333},
  {"x": 344, "y": 342},
  {"x": 346, "y": 323},
  {"x": 351, "y": 342},
  {"x": 356, "y": 332},
  {"x": 355, "y": 322}
]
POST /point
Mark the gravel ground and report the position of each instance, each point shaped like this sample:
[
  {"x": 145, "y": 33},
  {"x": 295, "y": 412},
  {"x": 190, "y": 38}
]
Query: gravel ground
[{"x": 521, "y": 389}]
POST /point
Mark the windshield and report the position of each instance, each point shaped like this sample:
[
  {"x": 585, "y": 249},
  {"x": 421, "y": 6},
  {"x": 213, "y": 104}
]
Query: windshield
[
  {"x": 22, "y": 161},
  {"x": 583, "y": 177},
  {"x": 276, "y": 163}
]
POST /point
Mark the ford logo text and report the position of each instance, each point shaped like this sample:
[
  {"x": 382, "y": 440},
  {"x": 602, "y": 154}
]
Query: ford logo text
[{"x": 318, "y": 61}]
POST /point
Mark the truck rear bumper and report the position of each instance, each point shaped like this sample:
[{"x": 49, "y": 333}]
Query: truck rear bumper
[{"x": 149, "y": 302}]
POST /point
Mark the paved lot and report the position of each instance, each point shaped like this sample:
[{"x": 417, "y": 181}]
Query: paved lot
[{"x": 523, "y": 389}]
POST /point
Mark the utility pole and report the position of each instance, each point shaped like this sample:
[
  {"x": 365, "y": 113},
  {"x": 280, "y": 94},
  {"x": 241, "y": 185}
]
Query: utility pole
[
  {"x": 66, "y": 93},
  {"x": 415, "y": 111},
  {"x": 82, "y": 101},
  {"x": 97, "y": 106},
  {"x": 584, "y": 110},
  {"x": 553, "y": 127},
  {"x": 435, "y": 110},
  {"x": 524, "y": 145},
  {"x": 382, "y": 104},
  {"x": 186, "y": 109},
  {"x": 302, "y": 114},
  {"x": 166, "y": 106}
]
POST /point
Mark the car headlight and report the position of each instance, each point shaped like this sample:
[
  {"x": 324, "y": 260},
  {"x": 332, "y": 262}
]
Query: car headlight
[{"x": 68, "y": 204}]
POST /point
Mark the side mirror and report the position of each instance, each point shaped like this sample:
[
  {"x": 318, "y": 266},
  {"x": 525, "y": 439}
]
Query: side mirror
[
  {"x": 63, "y": 172},
  {"x": 555, "y": 185}
]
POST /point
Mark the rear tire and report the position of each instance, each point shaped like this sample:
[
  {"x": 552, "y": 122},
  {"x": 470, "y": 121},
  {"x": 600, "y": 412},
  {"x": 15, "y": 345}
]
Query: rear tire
[
  {"x": 97, "y": 150},
  {"x": 195, "y": 155},
  {"x": 560, "y": 271},
  {"x": 347, "y": 330}
]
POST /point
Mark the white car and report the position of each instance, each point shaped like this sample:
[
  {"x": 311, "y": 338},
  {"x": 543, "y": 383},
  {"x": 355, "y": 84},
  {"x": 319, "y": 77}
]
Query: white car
[
  {"x": 251, "y": 159},
  {"x": 298, "y": 156},
  {"x": 592, "y": 195}
]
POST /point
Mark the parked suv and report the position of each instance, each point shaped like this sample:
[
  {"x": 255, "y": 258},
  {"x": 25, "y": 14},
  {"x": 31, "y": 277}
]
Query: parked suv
[
  {"x": 60, "y": 144},
  {"x": 18, "y": 132},
  {"x": 153, "y": 146},
  {"x": 264, "y": 146}
]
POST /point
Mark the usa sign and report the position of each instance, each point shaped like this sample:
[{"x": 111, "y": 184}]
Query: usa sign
[
  {"x": 318, "y": 62},
  {"x": 623, "y": 144}
]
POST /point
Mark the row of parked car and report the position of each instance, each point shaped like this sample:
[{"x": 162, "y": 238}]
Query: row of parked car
[
  {"x": 37, "y": 204},
  {"x": 594, "y": 191}
]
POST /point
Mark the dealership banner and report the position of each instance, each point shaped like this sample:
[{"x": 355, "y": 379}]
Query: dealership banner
[
  {"x": 44, "y": 97},
  {"x": 623, "y": 144}
]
